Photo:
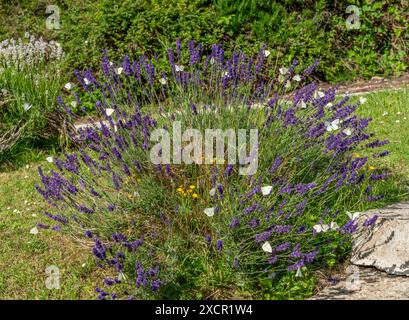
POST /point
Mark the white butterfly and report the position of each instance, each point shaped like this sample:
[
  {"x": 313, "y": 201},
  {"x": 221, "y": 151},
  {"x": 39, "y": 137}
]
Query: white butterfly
[
  {"x": 209, "y": 212},
  {"x": 318, "y": 94},
  {"x": 321, "y": 228},
  {"x": 73, "y": 103},
  {"x": 162, "y": 81},
  {"x": 179, "y": 68},
  {"x": 385, "y": 113},
  {"x": 348, "y": 131},
  {"x": 267, "y": 247},
  {"x": 27, "y": 106},
  {"x": 303, "y": 105},
  {"x": 297, "y": 78},
  {"x": 328, "y": 105},
  {"x": 266, "y": 53},
  {"x": 34, "y": 230},
  {"x": 362, "y": 100},
  {"x": 333, "y": 225},
  {"x": 298, "y": 274},
  {"x": 212, "y": 191},
  {"x": 86, "y": 81},
  {"x": 326, "y": 227},
  {"x": 353, "y": 216},
  {"x": 266, "y": 190},
  {"x": 69, "y": 86},
  {"x": 226, "y": 74},
  {"x": 109, "y": 112},
  {"x": 115, "y": 128},
  {"x": 121, "y": 276},
  {"x": 119, "y": 70},
  {"x": 283, "y": 71},
  {"x": 332, "y": 126},
  {"x": 49, "y": 159},
  {"x": 212, "y": 60}
]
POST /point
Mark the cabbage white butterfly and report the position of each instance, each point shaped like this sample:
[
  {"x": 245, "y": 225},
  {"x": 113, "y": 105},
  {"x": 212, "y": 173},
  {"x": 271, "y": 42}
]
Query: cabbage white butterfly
[
  {"x": 27, "y": 106},
  {"x": 297, "y": 78},
  {"x": 109, "y": 112},
  {"x": 348, "y": 131},
  {"x": 321, "y": 228},
  {"x": 69, "y": 86},
  {"x": 318, "y": 94},
  {"x": 266, "y": 190},
  {"x": 298, "y": 273},
  {"x": 353, "y": 216},
  {"x": 179, "y": 68},
  {"x": 283, "y": 70},
  {"x": 267, "y": 247},
  {"x": 209, "y": 212},
  {"x": 332, "y": 126}
]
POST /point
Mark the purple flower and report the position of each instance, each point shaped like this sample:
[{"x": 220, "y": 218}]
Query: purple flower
[
  {"x": 370, "y": 221},
  {"x": 219, "y": 245},
  {"x": 264, "y": 236},
  {"x": 253, "y": 223},
  {"x": 234, "y": 223},
  {"x": 283, "y": 247},
  {"x": 155, "y": 285},
  {"x": 272, "y": 259}
]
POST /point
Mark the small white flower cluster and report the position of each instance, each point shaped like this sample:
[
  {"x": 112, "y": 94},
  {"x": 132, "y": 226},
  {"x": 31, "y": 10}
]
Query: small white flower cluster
[{"x": 29, "y": 52}]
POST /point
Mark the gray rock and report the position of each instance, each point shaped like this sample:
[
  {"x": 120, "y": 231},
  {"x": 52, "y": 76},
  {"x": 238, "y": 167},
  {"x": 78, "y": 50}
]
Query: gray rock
[
  {"x": 386, "y": 245},
  {"x": 367, "y": 284}
]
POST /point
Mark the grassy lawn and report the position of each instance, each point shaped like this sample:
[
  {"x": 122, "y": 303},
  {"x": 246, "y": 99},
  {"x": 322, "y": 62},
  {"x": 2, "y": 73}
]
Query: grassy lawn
[
  {"x": 24, "y": 256},
  {"x": 390, "y": 113}
]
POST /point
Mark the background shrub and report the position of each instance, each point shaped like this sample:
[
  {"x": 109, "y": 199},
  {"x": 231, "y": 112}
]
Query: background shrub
[{"x": 305, "y": 30}]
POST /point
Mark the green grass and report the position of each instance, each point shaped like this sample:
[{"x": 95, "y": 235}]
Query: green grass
[
  {"x": 24, "y": 257},
  {"x": 393, "y": 126}
]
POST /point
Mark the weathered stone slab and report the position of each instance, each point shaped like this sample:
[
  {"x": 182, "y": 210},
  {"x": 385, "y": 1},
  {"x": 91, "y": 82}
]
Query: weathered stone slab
[
  {"x": 367, "y": 284},
  {"x": 386, "y": 245}
]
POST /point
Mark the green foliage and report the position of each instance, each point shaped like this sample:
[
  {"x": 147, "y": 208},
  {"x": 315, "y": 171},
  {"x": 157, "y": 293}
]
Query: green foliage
[{"x": 306, "y": 30}]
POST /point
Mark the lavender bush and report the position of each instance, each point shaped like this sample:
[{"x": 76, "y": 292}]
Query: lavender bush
[{"x": 204, "y": 231}]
